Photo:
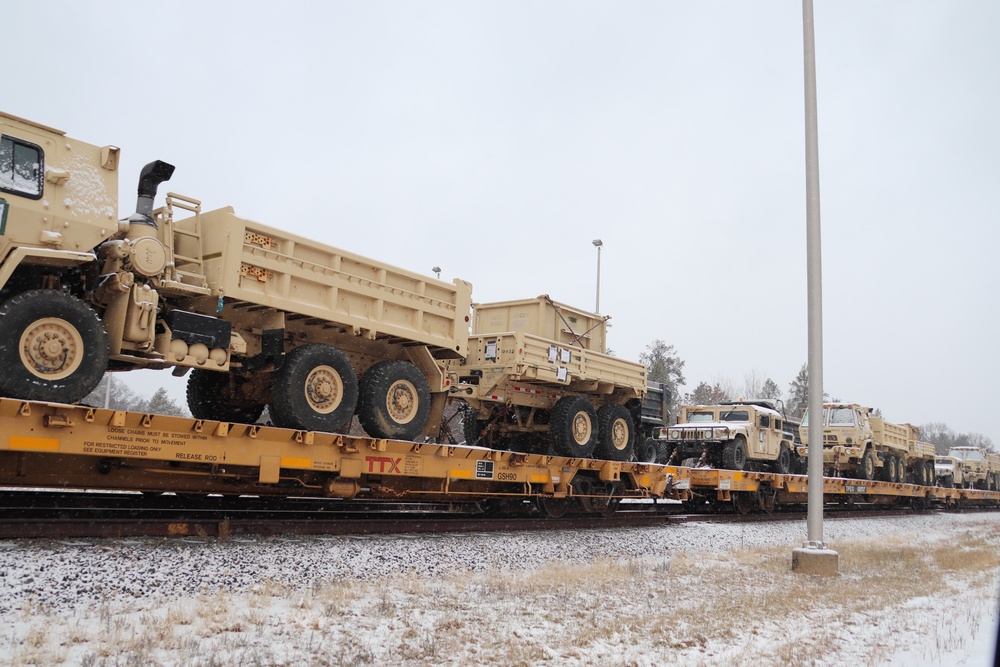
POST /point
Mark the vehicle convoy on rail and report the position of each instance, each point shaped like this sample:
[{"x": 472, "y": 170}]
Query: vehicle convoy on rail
[
  {"x": 260, "y": 317},
  {"x": 978, "y": 468},
  {"x": 735, "y": 435},
  {"x": 858, "y": 443}
]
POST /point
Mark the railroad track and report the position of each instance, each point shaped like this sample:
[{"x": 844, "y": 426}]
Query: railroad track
[{"x": 68, "y": 515}]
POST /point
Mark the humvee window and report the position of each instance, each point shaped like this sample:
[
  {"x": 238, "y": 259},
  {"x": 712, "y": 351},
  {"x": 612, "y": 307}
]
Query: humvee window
[
  {"x": 841, "y": 417},
  {"x": 20, "y": 168},
  {"x": 765, "y": 421},
  {"x": 700, "y": 417},
  {"x": 732, "y": 416}
]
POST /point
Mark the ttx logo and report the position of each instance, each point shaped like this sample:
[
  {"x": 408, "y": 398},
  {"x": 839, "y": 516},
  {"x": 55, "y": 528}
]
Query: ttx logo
[{"x": 385, "y": 464}]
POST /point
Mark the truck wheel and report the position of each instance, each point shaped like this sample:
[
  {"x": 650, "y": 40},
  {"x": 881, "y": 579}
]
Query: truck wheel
[
  {"x": 314, "y": 390},
  {"x": 573, "y": 427},
  {"x": 645, "y": 451},
  {"x": 394, "y": 400},
  {"x": 53, "y": 347},
  {"x": 929, "y": 466},
  {"x": 900, "y": 470},
  {"x": 472, "y": 428},
  {"x": 889, "y": 469},
  {"x": 866, "y": 468},
  {"x": 784, "y": 462},
  {"x": 615, "y": 433},
  {"x": 734, "y": 454},
  {"x": 216, "y": 395}
]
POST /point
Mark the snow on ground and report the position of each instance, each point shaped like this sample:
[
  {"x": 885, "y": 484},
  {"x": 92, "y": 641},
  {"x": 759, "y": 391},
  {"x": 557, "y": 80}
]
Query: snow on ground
[{"x": 912, "y": 591}]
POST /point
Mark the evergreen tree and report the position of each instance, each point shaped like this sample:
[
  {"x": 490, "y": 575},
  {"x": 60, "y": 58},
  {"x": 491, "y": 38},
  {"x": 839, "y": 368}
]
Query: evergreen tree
[
  {"x": 663, "y": 365},
  {"x": 798, "y": 394}
]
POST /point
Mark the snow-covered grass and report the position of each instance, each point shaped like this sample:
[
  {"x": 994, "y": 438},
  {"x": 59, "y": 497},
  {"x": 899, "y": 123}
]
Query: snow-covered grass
[{"x": 911, "y": 591}]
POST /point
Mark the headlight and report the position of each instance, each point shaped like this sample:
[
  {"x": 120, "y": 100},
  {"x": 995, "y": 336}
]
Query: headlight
[
  {"x": 722, "y": 432},
  {"x": 675, "y": 435}
]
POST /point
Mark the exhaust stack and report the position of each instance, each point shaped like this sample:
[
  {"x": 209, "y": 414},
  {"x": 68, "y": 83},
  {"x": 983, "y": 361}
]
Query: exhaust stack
[{"x": 150, "y": 178}]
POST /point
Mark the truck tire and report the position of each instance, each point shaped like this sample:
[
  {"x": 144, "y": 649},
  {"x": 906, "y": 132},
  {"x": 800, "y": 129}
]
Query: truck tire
[
  {"x": 929, "y": 467},
  {"x": 615, "y": 433},
  {"x": 645, "y": 451},
  {"x": 394, "y": 400},
  {"x": 216, "y": 395},
  {"x": 573, "y": 427},
  {"x": 783, "y": 466},
  {"x": 314, "y": 390},
  {"x": 866, "y": 467},
  {"x": 53, "y": 347},
  {"x": 889, "y": 469},
  {"x": 734, "y": 454},
  {"x": 900, "y": 470}
]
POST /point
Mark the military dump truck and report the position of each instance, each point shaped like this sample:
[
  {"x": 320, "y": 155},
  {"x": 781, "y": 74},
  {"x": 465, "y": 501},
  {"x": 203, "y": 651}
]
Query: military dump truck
[
  {"x": 980, "y": 468},
  {"x": 536, "y": 379},
  {"x": 735, "y": 435},
  {"x": 258, "y": 316},
  {"x": 856, "y": 443}
]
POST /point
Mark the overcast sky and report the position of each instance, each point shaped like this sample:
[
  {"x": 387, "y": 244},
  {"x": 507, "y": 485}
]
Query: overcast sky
[{"x": 498, "y": 139}]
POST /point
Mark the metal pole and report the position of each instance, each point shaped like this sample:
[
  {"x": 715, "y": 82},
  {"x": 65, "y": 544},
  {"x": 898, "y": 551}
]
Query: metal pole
[
  {"x": 107, "y": 392},
  {"x": 597, "y": 305},
  {"x": 814, "y": 270}
]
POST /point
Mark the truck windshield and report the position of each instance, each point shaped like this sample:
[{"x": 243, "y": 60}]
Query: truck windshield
[
  {"x": 700, "y": 417},
  {"x": 841, "y": 417},
  {"x": 966, "y": 454},
  {"x": 731, "y": 416}
]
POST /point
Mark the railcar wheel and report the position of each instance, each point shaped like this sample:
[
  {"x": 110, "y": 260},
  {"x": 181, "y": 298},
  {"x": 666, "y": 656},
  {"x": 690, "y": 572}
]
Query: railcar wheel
[
  {"x": 734, "y": 454},
  {"x": 572, "y": 427},
  {"x": 394, "y": 400},
  {"x": 315, "y": 389},
  {"x": 784, "y": 463},
  {"x": 866, "y": 468},
  {"x": 615, "y": 433},
  {"x": 768, "y": 499},
  {"x": 745, "y": 501},
  {"x": 216, "y": 395},
  {"x": 53, "y": 347},
  {"x": 553, "y": 508}
]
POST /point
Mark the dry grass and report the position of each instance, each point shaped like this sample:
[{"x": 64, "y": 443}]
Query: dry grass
[{"x": 690, "y": 608}]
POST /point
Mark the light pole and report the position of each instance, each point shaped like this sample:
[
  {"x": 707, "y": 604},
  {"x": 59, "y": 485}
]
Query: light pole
[
  {"x": 597, "y": 244},
  {"x": 437, "y": 270}
]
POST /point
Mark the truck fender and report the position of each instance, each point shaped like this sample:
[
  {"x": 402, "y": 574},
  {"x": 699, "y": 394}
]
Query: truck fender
[{"x": 44, "y": 257}]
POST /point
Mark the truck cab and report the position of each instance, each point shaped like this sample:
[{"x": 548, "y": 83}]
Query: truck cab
[{"x": 738, "y": 435}]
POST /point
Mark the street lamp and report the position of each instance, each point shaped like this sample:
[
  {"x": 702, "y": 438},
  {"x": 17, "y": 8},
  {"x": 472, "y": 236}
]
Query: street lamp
[
  {"x": 437, "y": 270},
  {"x": 597, "y": 244}
]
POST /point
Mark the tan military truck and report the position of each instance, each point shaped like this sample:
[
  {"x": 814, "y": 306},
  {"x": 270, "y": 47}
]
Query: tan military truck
[
  {"x": 737, "y": 435},
  {"x": 260, "y": 316},
  {"x": 948, "y": 472},
  {"x": 536, "y": 379},
  {"x": 857, "y": 443},
  {"x": 980, "y": 468}
]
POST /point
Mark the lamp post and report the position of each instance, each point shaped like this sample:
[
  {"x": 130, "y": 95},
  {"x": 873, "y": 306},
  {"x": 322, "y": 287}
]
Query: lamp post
[
  {"x": 437, "y": 271},
  {"x": 597, "y": 244}
]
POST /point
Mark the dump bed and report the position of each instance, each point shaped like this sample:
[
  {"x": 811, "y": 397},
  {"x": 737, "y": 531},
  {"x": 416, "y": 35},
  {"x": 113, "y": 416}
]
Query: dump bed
[
  {"x": 890, "y": 435},
  {"x": 253, "y": 263},
  {"x": 529, "y": 358},
  {"x": 543, "y": 317}
]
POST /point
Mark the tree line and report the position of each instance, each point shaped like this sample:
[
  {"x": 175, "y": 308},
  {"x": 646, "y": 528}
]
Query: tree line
[{"x": 664, "y": 365}]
